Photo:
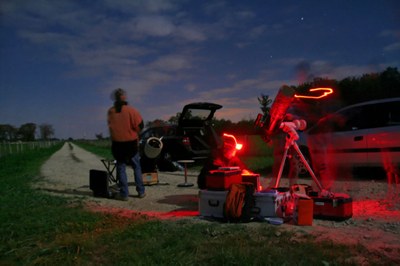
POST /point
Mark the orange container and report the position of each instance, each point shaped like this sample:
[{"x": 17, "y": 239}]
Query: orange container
[
  {"x": 150, "y": 178},
  {"x": 303, "y": 209}
]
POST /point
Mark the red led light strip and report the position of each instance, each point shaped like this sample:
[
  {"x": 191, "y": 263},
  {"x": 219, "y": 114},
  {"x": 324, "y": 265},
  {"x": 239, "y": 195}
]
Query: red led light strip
[{"x": 325, "y": 92}]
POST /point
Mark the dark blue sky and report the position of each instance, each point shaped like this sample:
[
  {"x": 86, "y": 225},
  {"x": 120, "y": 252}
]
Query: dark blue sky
[{"x": 60, "y": 60}]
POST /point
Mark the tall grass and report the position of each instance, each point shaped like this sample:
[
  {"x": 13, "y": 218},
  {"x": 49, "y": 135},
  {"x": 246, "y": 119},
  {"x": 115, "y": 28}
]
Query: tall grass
[
  {"x": 101, "y": 148},
  {"x": 41, "y": 229},
  {"x": 7, "y": 148},
  {"x": 29, "y": 218}
]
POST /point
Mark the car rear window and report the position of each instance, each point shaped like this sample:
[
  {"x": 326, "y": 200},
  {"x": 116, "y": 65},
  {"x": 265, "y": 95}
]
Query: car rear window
[{"x": 196, "y": 114}]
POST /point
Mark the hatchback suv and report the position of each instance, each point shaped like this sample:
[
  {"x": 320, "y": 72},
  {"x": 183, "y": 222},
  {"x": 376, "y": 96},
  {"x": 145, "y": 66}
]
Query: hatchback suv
[
  {"x": 192, "y": 138},
  {"x": 355, "y": 137}
]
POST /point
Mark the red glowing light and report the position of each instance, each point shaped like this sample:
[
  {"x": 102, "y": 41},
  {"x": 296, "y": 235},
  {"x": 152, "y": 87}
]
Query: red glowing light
[
  {"x": 238, "y": 146},
  {"x": 325, "y": 92}
]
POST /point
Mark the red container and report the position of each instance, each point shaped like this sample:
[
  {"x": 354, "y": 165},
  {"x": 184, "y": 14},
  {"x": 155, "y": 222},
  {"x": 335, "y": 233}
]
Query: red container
[
  {"x": 338, "y": 207},
  {"x": 303, "y": 209},
  {"x": 222, "y": 179}
]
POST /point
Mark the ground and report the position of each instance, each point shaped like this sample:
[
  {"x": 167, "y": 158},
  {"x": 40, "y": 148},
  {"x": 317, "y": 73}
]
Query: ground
[{"x": 376, "y": 205}]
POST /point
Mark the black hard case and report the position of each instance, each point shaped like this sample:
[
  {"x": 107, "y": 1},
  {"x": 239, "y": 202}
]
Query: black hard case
[{"x": 99, "y": 183}]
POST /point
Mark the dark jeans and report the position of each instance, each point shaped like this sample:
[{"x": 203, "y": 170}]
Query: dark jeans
[
  {"x": 126, "y": 153},
  {"x": 123, "y": 178}
]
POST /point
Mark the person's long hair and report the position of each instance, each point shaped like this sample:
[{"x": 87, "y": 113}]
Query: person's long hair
[{"x": 118, "y": 103}]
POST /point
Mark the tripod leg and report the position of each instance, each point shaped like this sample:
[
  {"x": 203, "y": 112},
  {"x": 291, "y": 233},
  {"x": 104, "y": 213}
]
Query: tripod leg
[
  {"x": 303, "y": 159},
  {"x": 278, "y": 178}
]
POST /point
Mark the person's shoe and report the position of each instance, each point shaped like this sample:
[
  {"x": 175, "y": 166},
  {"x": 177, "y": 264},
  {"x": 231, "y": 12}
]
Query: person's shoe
[
  {"x": 141, "y": 196},
  {"x": 120, "y": 197}
]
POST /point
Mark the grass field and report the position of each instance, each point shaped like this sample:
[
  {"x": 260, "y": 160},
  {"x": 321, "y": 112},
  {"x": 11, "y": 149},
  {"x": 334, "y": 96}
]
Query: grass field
[
  {"x": 9, "y": 148},
  {"x": 41, "y": 229}
]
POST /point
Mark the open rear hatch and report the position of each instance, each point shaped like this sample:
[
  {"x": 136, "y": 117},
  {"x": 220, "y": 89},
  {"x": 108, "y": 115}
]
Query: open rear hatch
[{"x": 195, "y": 121}]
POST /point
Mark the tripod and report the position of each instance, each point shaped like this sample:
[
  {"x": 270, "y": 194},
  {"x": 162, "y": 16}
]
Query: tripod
[{"x": 291, "y": 138}]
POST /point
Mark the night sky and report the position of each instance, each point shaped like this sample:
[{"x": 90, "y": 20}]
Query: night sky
[{"x": 60, "y": 60}]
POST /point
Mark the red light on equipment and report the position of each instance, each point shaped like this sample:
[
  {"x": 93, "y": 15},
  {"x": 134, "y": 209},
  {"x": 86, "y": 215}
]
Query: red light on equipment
[
  {"x": 324, "y": 92},
  {"x": 238, "y": 146}
]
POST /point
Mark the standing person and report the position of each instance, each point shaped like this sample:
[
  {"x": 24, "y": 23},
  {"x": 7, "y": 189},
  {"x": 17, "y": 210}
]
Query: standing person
[{"x": 125, "y": 123}]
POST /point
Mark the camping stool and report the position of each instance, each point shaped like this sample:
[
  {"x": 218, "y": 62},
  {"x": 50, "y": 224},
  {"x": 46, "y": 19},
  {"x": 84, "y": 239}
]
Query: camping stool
[
  {"x": 185, "y": 184},
  {"x": 110, "y": 166}
]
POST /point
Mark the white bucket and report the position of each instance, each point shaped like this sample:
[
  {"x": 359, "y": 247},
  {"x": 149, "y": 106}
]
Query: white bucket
[{"x": 153, "y": 147}]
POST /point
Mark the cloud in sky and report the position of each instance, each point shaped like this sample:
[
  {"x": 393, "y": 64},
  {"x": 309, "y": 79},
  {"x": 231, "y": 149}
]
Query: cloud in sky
[{"x": 61, "y": 59}]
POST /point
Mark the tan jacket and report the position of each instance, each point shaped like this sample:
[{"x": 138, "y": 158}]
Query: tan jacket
[{"x": 124, "y": 126}]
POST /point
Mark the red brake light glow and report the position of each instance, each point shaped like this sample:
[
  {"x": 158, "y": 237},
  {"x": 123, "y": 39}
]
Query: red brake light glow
[{"x": 186, "y": 141}]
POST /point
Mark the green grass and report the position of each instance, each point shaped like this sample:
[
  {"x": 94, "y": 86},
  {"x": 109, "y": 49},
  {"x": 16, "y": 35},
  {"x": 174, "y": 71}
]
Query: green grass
[
  {"x": 101, "y": 148},
  {"x": 255, "y": 146},
  {"x": 41, "y": 229},
  {"x": 258, "y": 164}
]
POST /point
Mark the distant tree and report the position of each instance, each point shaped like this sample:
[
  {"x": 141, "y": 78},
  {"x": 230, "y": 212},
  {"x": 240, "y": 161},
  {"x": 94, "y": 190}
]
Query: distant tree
[
  {"x": 174, "y": 119},
  {"x": 99, "y": 136},
  {"x": 8, "y": 132},
  {"x": 27, "y": 131},
  {"x": 370, "y": 86},
  {"x": 265, "y": 103},
  {"x": 246, "y": 127},
  {"x": 46, "y": 131},
  {"x": 156, "y": 123},
  {"x": 390, "y": 81}
]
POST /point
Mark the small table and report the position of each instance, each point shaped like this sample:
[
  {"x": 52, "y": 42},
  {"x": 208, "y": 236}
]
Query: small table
[{"x": 185, "y": 184}]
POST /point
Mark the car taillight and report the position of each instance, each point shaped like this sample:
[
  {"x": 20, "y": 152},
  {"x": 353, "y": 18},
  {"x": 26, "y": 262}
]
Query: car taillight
[{"x": 186, "y": 141}]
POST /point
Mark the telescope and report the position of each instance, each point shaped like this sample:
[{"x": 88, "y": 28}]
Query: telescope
[{"x": 271, "y": 121}]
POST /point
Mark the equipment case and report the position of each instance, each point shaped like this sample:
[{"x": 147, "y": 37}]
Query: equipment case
[
  {"x": 222, "y": 179},
  {"x": 338, "y": 207},
  {"x": 211, "y": 203},
  {"x": 150, "y": 178},
  {"x": 271, "y": 203},
  {"x": 99, "y": 183}
]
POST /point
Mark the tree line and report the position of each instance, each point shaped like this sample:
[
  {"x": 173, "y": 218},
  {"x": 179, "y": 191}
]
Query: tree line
[
  {"x": 347, "y": 91},
  {"x": 350, "y": 90},
  {"x": 26, "y": 132}
]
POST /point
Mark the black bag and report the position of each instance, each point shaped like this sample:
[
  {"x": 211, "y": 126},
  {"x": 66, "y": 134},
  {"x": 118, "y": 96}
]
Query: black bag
[
  {"x": 99, "y": 183},
  {"x": 239, "y": 202}
]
